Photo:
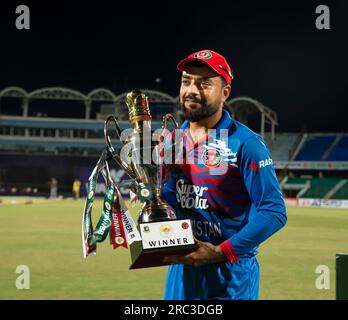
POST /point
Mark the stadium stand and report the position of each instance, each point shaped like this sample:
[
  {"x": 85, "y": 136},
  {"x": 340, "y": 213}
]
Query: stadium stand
[
  {"x": 295, "y": 183},
  {"x": 31, "y": 133},
  {"x": 38, "y": 145},
  {"x": 342, "y": 192},
  {"x": 319, "y": 188},
  {"x": 281, "y": 145},
  {"x": 340, "y": 151},
  {"x": 314, "y": 147}
]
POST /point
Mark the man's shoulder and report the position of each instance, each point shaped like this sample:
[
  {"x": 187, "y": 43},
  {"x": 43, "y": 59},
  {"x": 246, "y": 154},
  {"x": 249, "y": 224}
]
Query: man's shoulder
[{"x": 240, "y": 131}]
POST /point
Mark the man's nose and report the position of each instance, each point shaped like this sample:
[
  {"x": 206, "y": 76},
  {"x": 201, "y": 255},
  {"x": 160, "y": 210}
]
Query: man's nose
[{"x": 193, "y": 89}]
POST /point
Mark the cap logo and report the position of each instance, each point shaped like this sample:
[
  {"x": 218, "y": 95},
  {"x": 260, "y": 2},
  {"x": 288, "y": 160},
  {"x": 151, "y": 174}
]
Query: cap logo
[{"x": 203, "y": 55}]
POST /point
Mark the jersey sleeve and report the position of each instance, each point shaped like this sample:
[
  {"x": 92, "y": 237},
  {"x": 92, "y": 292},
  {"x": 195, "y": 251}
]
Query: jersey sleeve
[{"x": 256, "y": 167}]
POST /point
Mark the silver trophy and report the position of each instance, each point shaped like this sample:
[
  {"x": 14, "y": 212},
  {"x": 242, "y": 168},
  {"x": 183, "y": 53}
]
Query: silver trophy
[{"x": 142, "y": 157}]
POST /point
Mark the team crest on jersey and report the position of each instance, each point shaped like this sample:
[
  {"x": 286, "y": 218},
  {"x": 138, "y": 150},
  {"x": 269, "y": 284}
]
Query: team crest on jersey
[
  {"x": 211, "y": 157},
  {"x": 205, "y": 54},
  {"x": 217, "y": 152}
]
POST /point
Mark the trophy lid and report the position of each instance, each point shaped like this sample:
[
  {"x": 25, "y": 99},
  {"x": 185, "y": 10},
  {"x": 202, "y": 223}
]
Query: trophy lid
[{"x": 138, "y": 106}]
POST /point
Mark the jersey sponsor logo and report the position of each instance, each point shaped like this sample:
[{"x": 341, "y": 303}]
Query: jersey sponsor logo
[
  {"x": 261, "y": 164},
  {"x": 254, "y": 166},
  {"x": 265, "y": 163},
  {"x": 204, "y": 54},
  {"x": 190, "y": 196}
]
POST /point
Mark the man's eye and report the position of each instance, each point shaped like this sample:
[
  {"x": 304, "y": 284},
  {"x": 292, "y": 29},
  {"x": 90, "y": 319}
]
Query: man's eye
[
  {"x": 205, "y": 84},
  {"x": 185, "y": 82}
]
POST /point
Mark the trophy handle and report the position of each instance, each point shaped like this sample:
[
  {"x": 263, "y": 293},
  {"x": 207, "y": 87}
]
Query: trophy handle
[
  {"x": 166, "y": 117},
  {"x": 111, "y": 148},
  {"x": 166, "y": 168}
]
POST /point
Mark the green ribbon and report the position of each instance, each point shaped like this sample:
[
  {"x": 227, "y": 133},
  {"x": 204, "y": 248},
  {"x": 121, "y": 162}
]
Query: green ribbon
[
  {"x": 91, "y": 237},
  {"x": 102, "y": 229},
  {"x": 87, "y": 226}
]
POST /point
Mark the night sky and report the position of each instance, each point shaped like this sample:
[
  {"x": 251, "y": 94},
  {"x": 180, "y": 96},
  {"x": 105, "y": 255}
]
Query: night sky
[{"x": 277, "y": 54}]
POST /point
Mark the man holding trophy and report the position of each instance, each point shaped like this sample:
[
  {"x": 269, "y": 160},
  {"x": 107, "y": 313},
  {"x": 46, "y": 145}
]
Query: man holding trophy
[
  {"x": 208, "y": 190},
  {"x": 240, "y": 205}
]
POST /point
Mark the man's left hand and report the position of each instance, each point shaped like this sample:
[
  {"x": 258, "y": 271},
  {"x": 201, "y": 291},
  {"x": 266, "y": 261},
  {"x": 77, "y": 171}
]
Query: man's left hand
[{"x": 205, "y": 254}]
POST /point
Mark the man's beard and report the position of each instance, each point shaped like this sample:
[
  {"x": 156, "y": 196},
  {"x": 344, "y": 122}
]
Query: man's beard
[{"x": 205, "y": 111}]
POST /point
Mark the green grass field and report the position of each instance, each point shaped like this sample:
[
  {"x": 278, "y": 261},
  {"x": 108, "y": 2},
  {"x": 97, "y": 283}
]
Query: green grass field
[{"x": 46, "y": 236}]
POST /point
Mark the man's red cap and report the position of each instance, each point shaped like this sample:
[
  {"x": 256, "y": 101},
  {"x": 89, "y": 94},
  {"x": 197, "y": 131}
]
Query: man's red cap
[{"x": 211, "y": 58}]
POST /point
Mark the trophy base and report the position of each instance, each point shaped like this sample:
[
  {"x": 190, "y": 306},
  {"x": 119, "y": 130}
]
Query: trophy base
[
  {"x": 160, "y": 239},
  {"x": 146, "y": 258}
]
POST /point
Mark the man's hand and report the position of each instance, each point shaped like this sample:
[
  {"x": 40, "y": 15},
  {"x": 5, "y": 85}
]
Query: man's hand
[{"x": 205, "y": 254}]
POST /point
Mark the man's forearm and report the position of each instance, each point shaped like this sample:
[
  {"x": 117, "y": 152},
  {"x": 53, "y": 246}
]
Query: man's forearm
[{"x": 261, "y": 227}]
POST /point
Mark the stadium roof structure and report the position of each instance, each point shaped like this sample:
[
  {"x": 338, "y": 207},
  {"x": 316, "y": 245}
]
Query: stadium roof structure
[
  {"x": 58, "y": 93},
  {"x": 13, "y": 92},
  {"x": 242, "y": 107},
  {"x": 153, "y": 96}
]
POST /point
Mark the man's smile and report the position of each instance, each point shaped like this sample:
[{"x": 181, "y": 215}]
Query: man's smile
[{"x": 192, "y": 102}]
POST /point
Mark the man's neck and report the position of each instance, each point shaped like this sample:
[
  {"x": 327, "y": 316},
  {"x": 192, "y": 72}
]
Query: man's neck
[{"x": 200, "y": 128}]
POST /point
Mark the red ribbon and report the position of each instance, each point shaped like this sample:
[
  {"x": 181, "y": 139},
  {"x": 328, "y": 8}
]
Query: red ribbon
[{"x": 117, "y": 233}]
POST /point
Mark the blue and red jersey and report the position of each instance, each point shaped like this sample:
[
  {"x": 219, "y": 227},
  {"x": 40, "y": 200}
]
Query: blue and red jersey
[{"x": 226, "y": 185}]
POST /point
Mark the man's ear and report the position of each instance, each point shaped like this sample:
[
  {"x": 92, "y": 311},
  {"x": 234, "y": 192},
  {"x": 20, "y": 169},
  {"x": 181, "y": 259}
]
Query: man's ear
[{"x": 226, "y": 92}]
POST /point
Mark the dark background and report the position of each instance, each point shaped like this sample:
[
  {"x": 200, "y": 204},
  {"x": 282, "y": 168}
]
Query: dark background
[{"x": 277, "y": 54}]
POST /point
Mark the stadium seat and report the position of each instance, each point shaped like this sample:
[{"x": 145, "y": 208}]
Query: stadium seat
[
  {"x": 340, "y": 151},
  {"x": 281, "y": 146},
  {"x": 314, "y": 147},
  {"x": 320, "y": 187},
  {"x": 342, "y": 193}
]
